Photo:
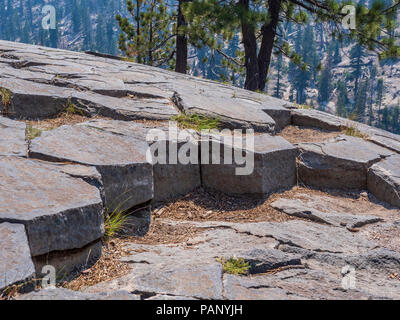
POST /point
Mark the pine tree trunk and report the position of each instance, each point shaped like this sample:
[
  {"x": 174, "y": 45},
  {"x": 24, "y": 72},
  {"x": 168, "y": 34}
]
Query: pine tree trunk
[
  {"x": 250, "y": 49},
  {"x": 267, "y": 44},
  {"x": 181, "y": 43}
]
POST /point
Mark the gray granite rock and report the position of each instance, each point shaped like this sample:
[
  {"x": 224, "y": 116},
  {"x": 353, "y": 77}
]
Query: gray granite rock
[
  {"x": 318, "y": 119},
  {"x": 298, "y": 208},
  {"x": 12, "y": 138},
  {"x": 310, "y": 236},
  {"x": 66, "y": 294},
  {"x": 121, "y": 160},
  {"x": 272, "y": 159},
  {"x": 59, "y": 212},
  {"x": 30, "y": 100},
  {"x": 384, "y": 180},
  {"x": 341, "y": 162},
  {"x": 15, "y": 258}
]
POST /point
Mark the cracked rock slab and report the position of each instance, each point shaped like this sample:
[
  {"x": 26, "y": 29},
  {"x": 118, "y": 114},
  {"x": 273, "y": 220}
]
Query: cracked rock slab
[
  {"x": 15, "y": 258},
  {"x": 341, "y": 162},
  {"x": 121, "y": 160},
  {"x": 12, "y": 138},
  {"x": 384, "y": 180},
  {"x": 309, "y": 236},
  {"x": 270, "y": 165},
  {"x": 66, "y": 294},
  {"x": 59, "y": 212},
  {"x": 30, "y": 100},
  {"x": 300, "y": 209}
]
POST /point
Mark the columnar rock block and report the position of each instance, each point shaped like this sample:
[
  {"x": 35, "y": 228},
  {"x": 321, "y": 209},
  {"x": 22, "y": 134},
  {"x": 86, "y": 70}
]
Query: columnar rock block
[
  {"x": 15, "y": 258},
  {"x": 340, "y": 163},
  {"x": 12, "y": 138},
  {"x": 59, "y": 212},
  {"x": 120, "y": 159},
  {"x": 384, "y": 180},
  {"x": 270, "y": 165}
]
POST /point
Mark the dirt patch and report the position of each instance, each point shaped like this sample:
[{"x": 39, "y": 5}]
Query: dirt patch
[
  {"x": 298, "y": 134},
  {"x": 164, "y": 233},
  {"x": 63, "y": 119},
  {"x": 213, "y": 206},
  {"x": 108, "y": 267}
]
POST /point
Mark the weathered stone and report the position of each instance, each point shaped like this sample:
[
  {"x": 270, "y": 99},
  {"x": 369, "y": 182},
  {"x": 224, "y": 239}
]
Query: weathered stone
[
  {"x": 30, "y": 100},
  {"x": 341, "y": 162},
  {"x": 318, "y": 119},
  {"x": 300, "y": 209},
  {"x": 66, "y": 294},
  {"x": 171, "y": 177},
  {"x": 234, "y": 107},
  {"x": 262, "y": 260},
  {"x": 310, "y": 236},
  {"x": 15, "y": 258},
  {"x": 202, "y": 281},
  {"x": 384, "y": 180},
  {"x": 12, "y": 138},
  {"x": 273, "y": 160},
  {"x": 121, "y": 160},
  {"x": 59, "y": 212},
  {"x": 126, "y": 108},
  {"x": 69, "y": 261},
  {"x": 245, "y": 288}
]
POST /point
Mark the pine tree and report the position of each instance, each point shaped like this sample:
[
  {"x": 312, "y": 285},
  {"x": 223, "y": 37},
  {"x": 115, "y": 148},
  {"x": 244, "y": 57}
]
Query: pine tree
[
  {"x": 148, "y": 39},
  {"x": 342, "y": 99}
]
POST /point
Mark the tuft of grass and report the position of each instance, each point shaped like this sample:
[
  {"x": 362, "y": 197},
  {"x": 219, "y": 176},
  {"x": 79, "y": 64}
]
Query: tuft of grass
[
  {"x": 196, "y": 122},
  {"x": 6, "y": 96},
  {"x": 128, "y": 59},
  {"x": 354, "y": 132},
  {"x": 32, "y": 133},
  {"x": 114, "y": 222},
  {"x": 302, "y": 106},
  {"x": 236, "y": 266},
  {"x": 70, "y": 108}
]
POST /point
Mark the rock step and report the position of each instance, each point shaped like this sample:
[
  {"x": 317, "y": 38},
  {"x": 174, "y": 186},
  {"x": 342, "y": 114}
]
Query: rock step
[
  {"x": 59, "y": 212},
  {"x": 341, "y": 162},
  {"x": 15, "y": 258}
]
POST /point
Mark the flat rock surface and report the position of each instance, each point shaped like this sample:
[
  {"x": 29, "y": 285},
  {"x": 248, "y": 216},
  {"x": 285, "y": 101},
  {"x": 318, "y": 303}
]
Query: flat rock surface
[
  {"x": 65, "y": 294},
  {"x": 15, "y": 258},
  {"x": 301, "y": 209},
  {"x": 126, "y": 91},
  {"x": 120, "y": 159},
  {"x": 340, "y": 162},
  {"x": 384, "y": 180},
  {"x": 59, "y": 212},
  {"x": 12, "y": 138}
]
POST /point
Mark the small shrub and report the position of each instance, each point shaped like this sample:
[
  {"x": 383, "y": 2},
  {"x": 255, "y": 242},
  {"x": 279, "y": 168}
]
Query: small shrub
[
  {"x": 6, "y": 96},
  {"x": 32, "y": 133},
  {"x": 236, "y": 266},
  {"x": 196, "y": 122}
]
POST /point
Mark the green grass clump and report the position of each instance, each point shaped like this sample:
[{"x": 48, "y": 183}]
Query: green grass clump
[
  {"x": 354, "y": 132},
  {"x": 70, "y": 108},
  {"x": 5, "y": 96},
  {"x": 236, "y": 266},
  {"x": 302, "y": 106},
  {"x": 114, "y": 222},
  {"x": 196, "y": 122},
  {"x": 32, "y": 133}
]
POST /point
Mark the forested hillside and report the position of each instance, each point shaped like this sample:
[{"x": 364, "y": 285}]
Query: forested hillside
[{"x": 343, "y": 78}]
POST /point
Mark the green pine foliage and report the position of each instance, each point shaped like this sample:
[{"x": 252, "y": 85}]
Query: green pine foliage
[{"x": 147, "y": 36}]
